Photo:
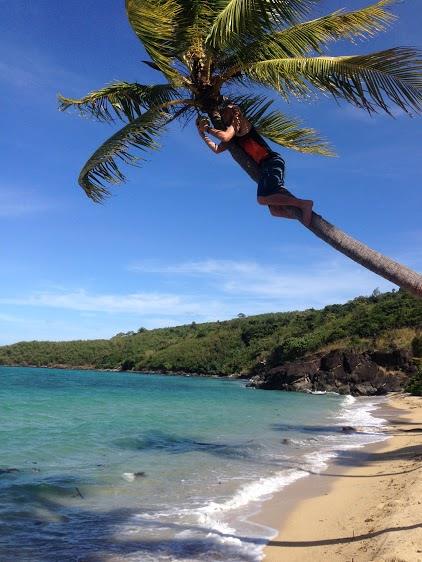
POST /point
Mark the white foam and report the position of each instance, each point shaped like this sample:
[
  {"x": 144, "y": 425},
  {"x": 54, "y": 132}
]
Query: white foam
[
  {"x": 298, "y": 442},
  {"x": 358, "y": 413},
  {"x": 318, "y": 460},
  {"x": 253, "y": 492},
  {"x": 214, "y": 515},
  {"x": 129, "y": 476},
  {"x": 348, "y": 400}
]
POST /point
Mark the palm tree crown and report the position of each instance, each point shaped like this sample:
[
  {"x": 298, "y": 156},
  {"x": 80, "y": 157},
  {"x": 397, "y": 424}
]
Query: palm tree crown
[{"x": 209, "y": 48}]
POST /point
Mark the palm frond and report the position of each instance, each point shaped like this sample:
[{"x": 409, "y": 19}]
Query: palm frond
[
  {"x": 253, "y": 17},
  {"x": 303, "y": 38},
  {"x": 279, "y": 128},
  {"x": 253, "y": 107},
  {"x": 195, "y": 21},
  {"x": 102, "y": 166},
  {"x": 312, "y": 35},
  {"x": 155, "y": 23},
  {"x": 121, "y": 100},
  {"x": 289, "y": 133},
  {"x": 368, "y": 81}
]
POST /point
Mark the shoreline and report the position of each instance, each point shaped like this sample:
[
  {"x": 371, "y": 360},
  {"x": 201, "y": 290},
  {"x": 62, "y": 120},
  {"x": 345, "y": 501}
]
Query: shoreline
[
  {"x": 60, "y": 367},
  {"x": 354, "y": 509}
]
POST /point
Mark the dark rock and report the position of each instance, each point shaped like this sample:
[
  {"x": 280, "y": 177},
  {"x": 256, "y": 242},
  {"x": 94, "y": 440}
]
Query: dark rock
[
  {"x": 9, "y": 470},
  {"x": 332, "y": 360},
  {"x": 398, "y": 359},
  {"x": 139, "y": 474},
  {"x": 351, "y": 360},
  {"x": 348, "y": 429},
  {"x": 78, "y": 494},
  {"x": 346, "y": 372}
]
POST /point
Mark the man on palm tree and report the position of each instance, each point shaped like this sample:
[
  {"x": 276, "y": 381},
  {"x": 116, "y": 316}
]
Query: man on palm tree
[
  {"x": 204, "y": 49},
  {"x": 270, "y": 186}
]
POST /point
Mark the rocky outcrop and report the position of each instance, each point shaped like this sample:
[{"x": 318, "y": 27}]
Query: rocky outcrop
[{"x": 342, "y": 371}]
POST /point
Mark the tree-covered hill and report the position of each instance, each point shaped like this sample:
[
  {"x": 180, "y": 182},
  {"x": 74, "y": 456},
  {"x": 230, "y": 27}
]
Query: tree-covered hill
[{"x": 381, "y": 321}]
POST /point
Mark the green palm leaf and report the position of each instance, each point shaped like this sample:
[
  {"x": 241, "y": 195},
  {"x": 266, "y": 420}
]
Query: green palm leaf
[
  {"x": 155, "y": 22},
  {"x": 252, "y": 17},
  {"x": 279, "y": 128},
  {"x": 303, "y": 38},
  {"x": 314, "y": 34},
  {"x": 122, "y": 100},
  {"x": 253, "y": 107},
  {"x": 194, "y": 23},
  {"x": 368, "y": 81},
  {"x": 289, "y": 133},
  {"x": 102, "y": 166}
]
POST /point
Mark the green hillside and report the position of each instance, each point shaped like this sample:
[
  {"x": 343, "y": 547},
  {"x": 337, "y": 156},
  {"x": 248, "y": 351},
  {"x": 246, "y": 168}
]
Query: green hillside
[{"x": 381, "y": 321}]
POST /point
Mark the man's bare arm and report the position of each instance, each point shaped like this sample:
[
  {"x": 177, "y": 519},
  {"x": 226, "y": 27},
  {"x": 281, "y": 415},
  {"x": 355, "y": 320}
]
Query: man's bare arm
[
  {"x": 234, "y": 117},
  {"x": 225, "y": 136},
  {"x": 217, "y": 148}
]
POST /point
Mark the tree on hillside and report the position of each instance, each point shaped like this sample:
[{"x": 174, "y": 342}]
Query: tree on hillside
[{"x": 209, "y": 48}]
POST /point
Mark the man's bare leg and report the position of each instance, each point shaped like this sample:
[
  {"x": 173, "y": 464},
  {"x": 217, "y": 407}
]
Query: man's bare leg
[{"x": 277, "y": 199}]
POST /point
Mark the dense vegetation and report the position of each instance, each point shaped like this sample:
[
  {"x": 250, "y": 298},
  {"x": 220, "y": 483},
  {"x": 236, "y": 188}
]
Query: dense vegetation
[
  {"x": 380, "y": 321},
  {"x": 415, "y": 384}
]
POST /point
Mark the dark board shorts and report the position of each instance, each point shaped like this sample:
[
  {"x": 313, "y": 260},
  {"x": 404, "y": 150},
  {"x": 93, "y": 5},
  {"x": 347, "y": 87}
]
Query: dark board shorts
[{"x": 272, "y": 176}]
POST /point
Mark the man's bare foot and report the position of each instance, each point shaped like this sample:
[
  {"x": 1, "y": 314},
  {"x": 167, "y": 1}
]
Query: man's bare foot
[
  {"x": 306, "y": 207},
  {"x": 281, "y": 212}
]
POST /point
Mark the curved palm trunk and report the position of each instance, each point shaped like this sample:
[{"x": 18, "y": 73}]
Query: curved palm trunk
[{"x": 360, "y": 253}]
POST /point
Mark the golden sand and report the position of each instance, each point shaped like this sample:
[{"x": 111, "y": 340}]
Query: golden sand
[{"x": 370, "y": 512}]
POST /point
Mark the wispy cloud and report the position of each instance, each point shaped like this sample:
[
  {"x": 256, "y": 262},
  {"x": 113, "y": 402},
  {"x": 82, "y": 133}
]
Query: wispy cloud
[
  {"x": 200, "y": 267},
  {"x": 9, "y": 318},
  {"x": 356, "y": 114},
  {"x": 17, "y": 202},
  {"x": 152, "y": 310},
  {"x": 136, "y": 303},
  {"x": 31, "y": 69},
  {"x": 319, "y": 283},
  {"x": 199, "y": 290}
]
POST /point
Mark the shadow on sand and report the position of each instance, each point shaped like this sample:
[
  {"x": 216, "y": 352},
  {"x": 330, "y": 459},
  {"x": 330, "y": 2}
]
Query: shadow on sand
[{"x": 343, "y": 540}]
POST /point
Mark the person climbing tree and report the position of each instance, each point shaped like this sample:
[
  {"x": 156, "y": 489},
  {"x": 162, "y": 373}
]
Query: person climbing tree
[
  {"x": 205, "y": 50},
  {"x": 271, "y": 165}
]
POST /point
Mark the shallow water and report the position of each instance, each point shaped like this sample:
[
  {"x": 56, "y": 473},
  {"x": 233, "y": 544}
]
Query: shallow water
[{"x": 118, "y": 466}]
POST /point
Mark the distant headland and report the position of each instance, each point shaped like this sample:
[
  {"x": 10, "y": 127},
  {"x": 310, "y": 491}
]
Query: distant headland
[{"x": 369, "y": 345}]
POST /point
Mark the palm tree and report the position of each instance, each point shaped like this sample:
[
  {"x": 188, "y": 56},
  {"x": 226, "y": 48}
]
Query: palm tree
[{"x": 209, "y": 48}]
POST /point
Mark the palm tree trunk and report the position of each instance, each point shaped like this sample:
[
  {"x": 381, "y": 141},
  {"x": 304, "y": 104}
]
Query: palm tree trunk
[{"x": 360, "y": 253}]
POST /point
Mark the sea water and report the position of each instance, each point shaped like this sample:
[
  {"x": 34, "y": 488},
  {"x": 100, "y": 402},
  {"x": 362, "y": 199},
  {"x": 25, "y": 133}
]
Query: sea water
[{"x": 100, "y": 466}]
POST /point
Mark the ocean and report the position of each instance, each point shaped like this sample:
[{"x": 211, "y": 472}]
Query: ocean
[{"x": 101, "y": 466}]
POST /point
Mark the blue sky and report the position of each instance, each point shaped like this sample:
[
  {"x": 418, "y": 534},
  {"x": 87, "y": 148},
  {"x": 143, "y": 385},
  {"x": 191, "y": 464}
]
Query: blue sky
[{"x": 184, "y": 239}]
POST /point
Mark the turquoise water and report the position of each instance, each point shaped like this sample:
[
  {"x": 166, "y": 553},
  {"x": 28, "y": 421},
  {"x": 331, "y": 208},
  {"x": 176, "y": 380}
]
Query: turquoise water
[{"x": 116, "y": 466}]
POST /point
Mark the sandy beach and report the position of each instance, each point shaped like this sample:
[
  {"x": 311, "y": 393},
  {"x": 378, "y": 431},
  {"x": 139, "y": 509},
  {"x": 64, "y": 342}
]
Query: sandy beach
[{"x": 370, "y": 509}]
